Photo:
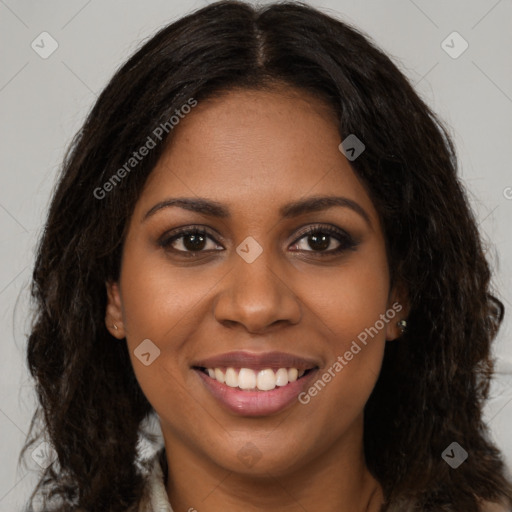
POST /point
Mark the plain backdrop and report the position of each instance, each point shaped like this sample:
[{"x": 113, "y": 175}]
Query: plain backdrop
[{"x": 43, "y": 102}]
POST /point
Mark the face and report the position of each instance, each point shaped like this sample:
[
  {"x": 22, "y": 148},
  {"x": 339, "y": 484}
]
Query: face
[{"x": 252, "y": 273}]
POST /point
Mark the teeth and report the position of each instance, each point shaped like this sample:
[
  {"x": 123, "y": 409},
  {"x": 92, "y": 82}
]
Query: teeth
[
  {"x": 293, "y": 373},
  {"x": 218, "y": 375},
  {"x": 282, "y": 377},
  {"x": 266, "y": 380},
  {"x": 231, "y": 378},
  {"x": 248, "y": 379}
]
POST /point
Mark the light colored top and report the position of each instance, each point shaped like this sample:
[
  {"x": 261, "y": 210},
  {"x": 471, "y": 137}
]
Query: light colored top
[{"x": 155, "y": 496}]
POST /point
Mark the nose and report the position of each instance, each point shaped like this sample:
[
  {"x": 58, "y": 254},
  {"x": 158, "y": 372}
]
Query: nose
[{"x": 257, "y": 296}]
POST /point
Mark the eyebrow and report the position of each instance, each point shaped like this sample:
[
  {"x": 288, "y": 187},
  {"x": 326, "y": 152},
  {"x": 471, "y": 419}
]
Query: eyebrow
[{"x": 294, "y": 209}]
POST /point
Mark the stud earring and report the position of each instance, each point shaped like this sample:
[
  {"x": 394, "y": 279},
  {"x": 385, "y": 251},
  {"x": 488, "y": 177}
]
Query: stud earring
[
  {"x": 115, "y": 327},
  {"x": 402, "y": 325}
]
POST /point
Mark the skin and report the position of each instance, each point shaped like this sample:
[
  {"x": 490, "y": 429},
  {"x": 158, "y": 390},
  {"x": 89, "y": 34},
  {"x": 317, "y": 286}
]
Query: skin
[{"x": 254, "y": 151}]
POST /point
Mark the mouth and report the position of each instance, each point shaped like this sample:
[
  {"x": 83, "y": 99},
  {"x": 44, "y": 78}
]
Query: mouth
[
  {"x": 255, "y": 384},
  {"x": 247, "y": 379}
]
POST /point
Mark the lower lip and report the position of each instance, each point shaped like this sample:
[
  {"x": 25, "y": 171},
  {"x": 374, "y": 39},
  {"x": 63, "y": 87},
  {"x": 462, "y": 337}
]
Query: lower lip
[{"x": 256, "y": 403}]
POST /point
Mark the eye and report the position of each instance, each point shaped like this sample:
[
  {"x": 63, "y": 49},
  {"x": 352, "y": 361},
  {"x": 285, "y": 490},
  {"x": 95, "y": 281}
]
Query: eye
[
  {"x": 188, "y": 241},
  {"x": 194, "y": 239},
  {"x": 321, "y": 238}
]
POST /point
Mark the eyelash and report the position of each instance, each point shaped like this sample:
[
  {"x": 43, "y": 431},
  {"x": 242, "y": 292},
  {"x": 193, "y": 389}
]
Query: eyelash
[{"x": 347, "y": 243}]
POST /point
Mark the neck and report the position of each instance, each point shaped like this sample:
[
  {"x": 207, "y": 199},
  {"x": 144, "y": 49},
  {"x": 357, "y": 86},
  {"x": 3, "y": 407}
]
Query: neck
[{"x": 335, "y": 481}]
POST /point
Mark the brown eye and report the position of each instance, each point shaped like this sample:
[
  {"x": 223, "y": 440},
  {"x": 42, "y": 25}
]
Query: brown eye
[
  {"x": 319, "y": 240},
  {"x": 194, "y": 242},
  {"x": 189, "y": 241},
  {"x": 322, "y": 238}
]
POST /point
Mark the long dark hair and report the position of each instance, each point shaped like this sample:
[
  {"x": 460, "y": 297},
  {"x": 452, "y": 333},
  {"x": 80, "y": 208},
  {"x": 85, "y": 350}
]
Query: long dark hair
[{"x": 434, "y": 379}]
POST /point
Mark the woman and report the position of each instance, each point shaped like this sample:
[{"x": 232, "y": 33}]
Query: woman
[{"x": 259, "y": 237}]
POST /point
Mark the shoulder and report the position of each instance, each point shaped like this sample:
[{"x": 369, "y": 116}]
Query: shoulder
[{"x": 488, "y": 506}]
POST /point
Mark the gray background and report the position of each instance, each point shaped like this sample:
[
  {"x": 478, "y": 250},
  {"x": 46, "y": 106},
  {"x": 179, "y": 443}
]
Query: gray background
[{"x": 43, "y": 103}]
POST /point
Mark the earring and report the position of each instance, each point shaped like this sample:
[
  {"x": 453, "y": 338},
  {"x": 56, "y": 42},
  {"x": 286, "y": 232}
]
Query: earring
[
  {"x": 402, "y": 325},
  {"x": 115, "y": 327}
]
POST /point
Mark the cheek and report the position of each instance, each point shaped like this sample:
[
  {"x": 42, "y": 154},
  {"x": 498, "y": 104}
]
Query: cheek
[
  {"x": 158, "y": 305},
  {"x": 352, "y": 306},
  {"x": 350, "y": 298},
  {"x": 338, "y": 394},
  {"x": 158, "y": 300}
]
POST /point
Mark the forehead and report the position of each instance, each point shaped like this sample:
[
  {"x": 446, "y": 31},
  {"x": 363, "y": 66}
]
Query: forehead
[{"x": 248, "y": 148}]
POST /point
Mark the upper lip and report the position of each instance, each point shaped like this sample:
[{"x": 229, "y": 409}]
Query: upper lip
[{"x": 255, "y": 361}]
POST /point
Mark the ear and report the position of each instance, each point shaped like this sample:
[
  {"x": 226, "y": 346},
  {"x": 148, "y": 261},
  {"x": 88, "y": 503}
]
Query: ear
[
  {"x": 114, "y": 311},
  {"x": 398, "y": 303}
]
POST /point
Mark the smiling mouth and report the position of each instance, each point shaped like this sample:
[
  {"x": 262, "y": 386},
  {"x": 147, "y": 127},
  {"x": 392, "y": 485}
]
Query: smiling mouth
[{"x": 247, "y": 379}]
